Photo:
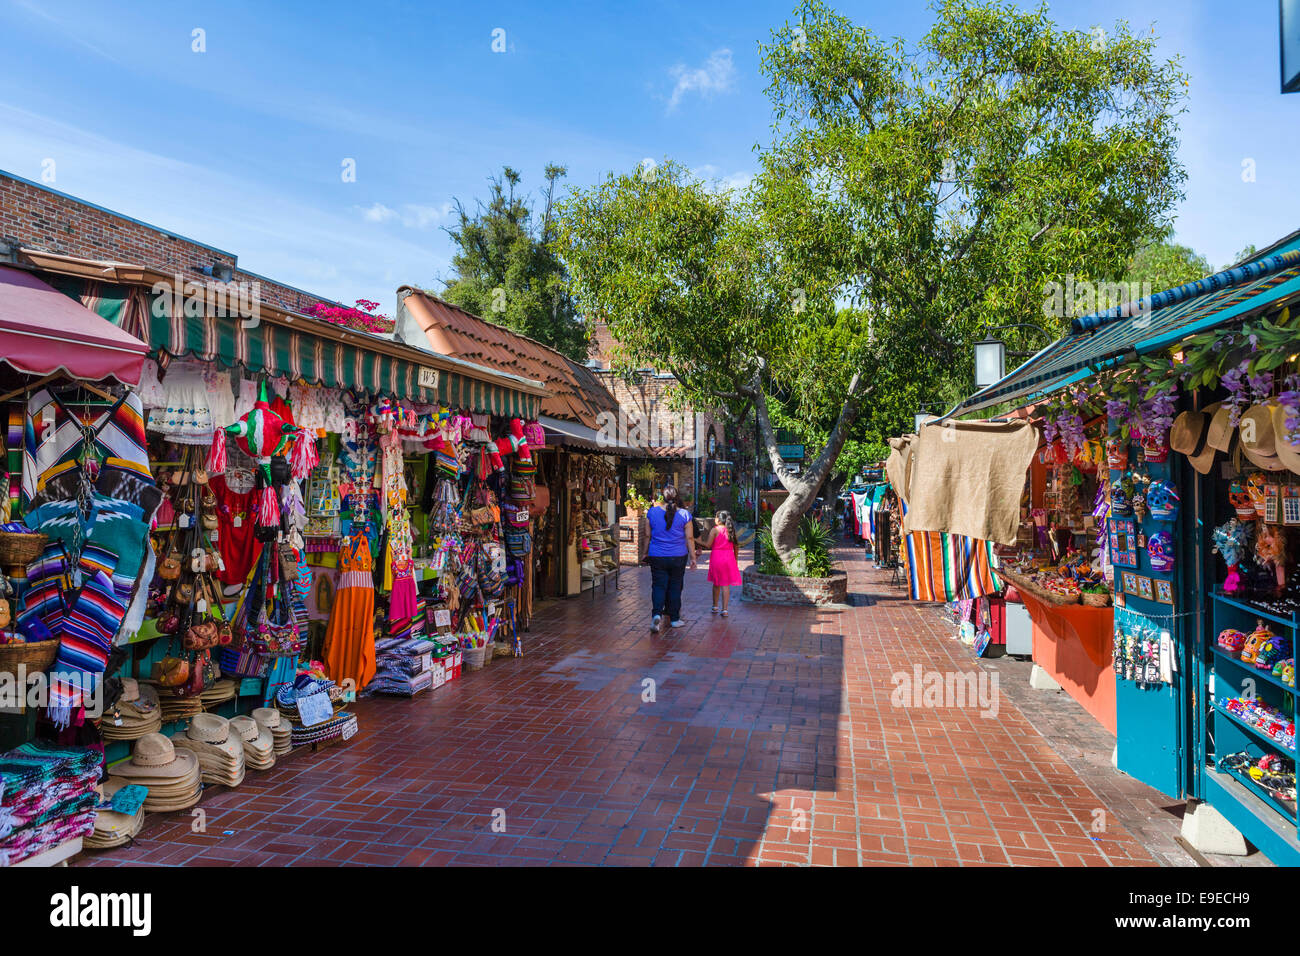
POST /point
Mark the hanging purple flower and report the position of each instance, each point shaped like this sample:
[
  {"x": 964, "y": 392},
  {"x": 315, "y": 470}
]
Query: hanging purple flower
[
  {"x": 1234, "y": 380},
  {"x": 1290, "y": 402},
  {"x": 1261, "y": 385}
]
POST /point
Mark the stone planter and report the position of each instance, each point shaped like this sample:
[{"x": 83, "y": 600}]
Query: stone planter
[{"x": 775, "y": 589}]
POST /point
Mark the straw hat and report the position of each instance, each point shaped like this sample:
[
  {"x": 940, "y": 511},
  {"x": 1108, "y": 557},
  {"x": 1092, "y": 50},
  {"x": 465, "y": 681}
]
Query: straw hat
[
  {"x": 1189, "y": 436},
  {"x": 1258, "y": 441},
  {"x": 131, "y": 690},
  {"x": 268, "y": 717},
  {"x": 155, "y": 759},
  {"x": 113, "y": 828},
  {"x": 209, "y": 729},
  {"x": 1221, "y": 435},
  {"x": 1287, "y": 453},
  {"x": 257, "y": 739}
]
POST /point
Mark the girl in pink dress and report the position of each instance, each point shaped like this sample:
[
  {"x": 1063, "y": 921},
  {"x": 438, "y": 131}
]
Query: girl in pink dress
[{"x": 724, "y": 572}]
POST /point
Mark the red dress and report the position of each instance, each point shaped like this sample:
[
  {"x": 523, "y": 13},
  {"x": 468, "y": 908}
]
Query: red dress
[{"x": 723, "y": 569}]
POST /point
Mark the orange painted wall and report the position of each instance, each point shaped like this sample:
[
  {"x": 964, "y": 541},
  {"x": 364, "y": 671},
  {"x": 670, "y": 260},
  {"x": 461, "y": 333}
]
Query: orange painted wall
[{"x": 1073, "y": 645}]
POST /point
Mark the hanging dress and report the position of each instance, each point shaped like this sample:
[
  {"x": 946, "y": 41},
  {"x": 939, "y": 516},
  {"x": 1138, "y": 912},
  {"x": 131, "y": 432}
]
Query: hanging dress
[{"x": 350, "y": 639}]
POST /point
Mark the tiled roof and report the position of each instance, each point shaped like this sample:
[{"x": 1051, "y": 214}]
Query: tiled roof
[{"x": 574, "y": 393}]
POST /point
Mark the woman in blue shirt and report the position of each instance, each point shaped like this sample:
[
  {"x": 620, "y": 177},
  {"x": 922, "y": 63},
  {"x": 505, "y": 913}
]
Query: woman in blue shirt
[{"x": 668, "y": 542}]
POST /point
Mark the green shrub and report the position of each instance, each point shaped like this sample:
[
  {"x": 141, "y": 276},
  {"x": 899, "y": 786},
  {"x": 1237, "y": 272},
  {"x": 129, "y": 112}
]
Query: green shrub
[{"x": 811, "y": 558}]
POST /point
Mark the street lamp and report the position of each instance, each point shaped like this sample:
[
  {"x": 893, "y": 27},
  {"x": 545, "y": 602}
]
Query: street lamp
[
  {"x": 919, "y": 419},
  {"x": 990, "y": 361},
  {"x": 991, "y": 354}
]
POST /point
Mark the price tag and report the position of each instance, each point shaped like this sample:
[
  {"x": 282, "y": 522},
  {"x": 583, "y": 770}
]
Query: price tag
[
  {"x": 183, "y": 521},
  {"x": 314, "y": 709},
  {"x": 201, "y": 606},
  {"x": 237, "y": 521},
  {"x": 349, "y": 729}
]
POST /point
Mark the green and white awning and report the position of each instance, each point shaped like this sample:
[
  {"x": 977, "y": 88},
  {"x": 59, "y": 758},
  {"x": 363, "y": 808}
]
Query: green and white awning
[{"x": 275, "y": 349}]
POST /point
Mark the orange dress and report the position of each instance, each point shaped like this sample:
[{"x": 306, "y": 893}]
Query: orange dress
[{"x": 350, "y": 639}]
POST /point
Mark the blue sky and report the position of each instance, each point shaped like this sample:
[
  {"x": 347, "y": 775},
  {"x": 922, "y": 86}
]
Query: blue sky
[{"x": 242, "y": 146}]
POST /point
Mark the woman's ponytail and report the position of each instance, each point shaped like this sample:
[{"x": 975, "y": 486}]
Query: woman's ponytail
[{"x": 670, "y": 505}]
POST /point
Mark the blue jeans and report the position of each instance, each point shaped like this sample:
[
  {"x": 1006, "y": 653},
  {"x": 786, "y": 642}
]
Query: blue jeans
[{"x": 666, "y": 576}]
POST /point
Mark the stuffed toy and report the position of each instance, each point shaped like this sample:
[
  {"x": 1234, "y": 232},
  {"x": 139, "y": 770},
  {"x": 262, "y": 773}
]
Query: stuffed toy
[{"x": 262, "y": 434}]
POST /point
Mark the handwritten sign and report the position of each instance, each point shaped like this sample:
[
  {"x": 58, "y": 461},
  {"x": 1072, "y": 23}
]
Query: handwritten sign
[{"x": 314, "y": 709}]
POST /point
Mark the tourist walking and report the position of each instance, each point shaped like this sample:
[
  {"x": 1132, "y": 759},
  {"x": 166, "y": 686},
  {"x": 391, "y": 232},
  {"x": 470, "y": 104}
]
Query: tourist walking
[
  {"x": 668, "y": 540},
  {"x": 724, "y": 572}
]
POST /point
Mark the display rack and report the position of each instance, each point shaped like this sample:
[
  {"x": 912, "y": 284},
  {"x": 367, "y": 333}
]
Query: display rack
[
  {"x": 1229, "y": 734},
  {"x": 604, "y": 576}
]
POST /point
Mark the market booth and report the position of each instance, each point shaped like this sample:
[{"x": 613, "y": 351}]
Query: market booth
[
  {"x": 1200, "y": 392},
  {"x": 228, "y": 527}
]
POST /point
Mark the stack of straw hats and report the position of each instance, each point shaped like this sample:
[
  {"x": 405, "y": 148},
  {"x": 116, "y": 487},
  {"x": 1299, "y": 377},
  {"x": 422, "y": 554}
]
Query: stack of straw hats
[
  {"x": 1260, "y": 437},
  {"x": 175, "y": 707},
  {"x": 259, "y": 745},
  {"x": 114, "y": 828},
  {"x": 137, "y": 713},
  {"x": 219, "y": 752},
  {"x": 281, "y": 732},
  {"x": 218, "y": 693},
  {"x": 172, "y": 775}
]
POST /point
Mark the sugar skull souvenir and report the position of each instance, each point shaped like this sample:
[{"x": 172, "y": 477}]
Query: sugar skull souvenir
[
  {"x": 1254, "y": 641},
  {"x": 1155, "y": 449},
  {"x": 1116, "y": 454},
  {"x": 1285, "y": 671},
  {"x": 1160, "y": 549},
  {"x": 1162, "y": 500},
  {"x": 1119, "y": 500},
  {"x": 1231, "y": 640},
  {"x": 1241, "y": 501},
  {"x": 1255, "y": 488},
  {"x": 1271, "y": 651}
]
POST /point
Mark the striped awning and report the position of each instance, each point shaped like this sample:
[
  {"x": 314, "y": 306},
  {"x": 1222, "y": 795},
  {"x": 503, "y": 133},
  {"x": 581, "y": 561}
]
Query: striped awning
[
  {"x": 1104, "y": 340},
  {"x": 277, "y": 349}
]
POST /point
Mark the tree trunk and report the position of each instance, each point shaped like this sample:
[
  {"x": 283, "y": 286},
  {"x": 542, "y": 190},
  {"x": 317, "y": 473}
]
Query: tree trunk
[{"x": 802, "y": 488}]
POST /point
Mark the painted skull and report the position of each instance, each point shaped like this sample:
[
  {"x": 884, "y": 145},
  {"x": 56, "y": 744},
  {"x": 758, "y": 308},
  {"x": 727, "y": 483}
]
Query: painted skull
[
  {"x": 1119, "y": 503},
  {"x": 1271, "y": 651},
  {"x": 1231, "y": 640},
  {"x": 1254, "y": 640},
  {"x": 1241, "y": 501},
  {"x": 1163, "y": 500},
  {"x": 1160, "y": 549},
  {"x": 1255, "y": 488}
]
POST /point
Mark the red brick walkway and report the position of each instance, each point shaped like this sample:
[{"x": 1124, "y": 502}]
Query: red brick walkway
[{"x": 767, "y": 737}]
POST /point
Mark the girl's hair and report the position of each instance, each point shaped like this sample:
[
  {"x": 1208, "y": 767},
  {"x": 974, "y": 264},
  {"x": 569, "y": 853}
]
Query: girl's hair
[
  {"x": 724, "y": 518},
  {"x": 670, "y": 505}
]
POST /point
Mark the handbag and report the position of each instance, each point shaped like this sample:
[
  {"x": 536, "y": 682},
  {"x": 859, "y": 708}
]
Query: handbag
[
  {"x": 522, "y": 487},
  {"x": 194, "y": 686},
  {"x": 171, "y": 671},
  {"x": 245, "y": 663},
  {"x": 518, "y": 542},
  {"x": 200, "y": 637}
]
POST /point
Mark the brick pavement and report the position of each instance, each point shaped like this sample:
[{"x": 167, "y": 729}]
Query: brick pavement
[{"x": 771, "y": 738}]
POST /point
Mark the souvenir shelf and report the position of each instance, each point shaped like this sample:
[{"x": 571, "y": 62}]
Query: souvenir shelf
[
  {"x": 589, "y": 584},
  {"x": 1230, "y": 733}
]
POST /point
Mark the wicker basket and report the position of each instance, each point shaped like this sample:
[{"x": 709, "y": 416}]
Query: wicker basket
[
  {"x": 19, "y": 549},
  {"x": 1091, "y": 599},
  {"x": 503, "y": 649},
  {"x": 37, "y": 656},
  {"x": 473, "y": 658}
]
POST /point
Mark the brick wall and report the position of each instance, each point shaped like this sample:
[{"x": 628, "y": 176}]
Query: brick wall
[
  {"x": 773, "y": 589},
  {"x": 39, "y": 218}
]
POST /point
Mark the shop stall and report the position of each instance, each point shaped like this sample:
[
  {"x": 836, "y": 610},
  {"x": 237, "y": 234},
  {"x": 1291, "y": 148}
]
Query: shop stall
[
  {"x": 1200, "y": 392},
  {"x": 277, "y": 517}
]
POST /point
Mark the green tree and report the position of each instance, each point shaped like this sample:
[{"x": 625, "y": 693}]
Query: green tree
[
  {"x": 1163, "y": 265},
  {"x": 506, "y": 272},
  {"x": 909, "y": 197}
]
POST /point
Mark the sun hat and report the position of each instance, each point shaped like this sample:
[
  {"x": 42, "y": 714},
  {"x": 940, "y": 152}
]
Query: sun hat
[
  {"x": 209, "y": 729},
  {"x": 268, "y": 717},
  {"x": 1258, "y": 441},
  {"x": 257, "y": 739},
  {"x": 113, "y": 827},
  {"x": 130, "y": 691},
  {"x": 1190, "y": 436},
  {"x": 1287, "y": 453},
  {"x": 1221, "y": 435},
  {"x": 154, "y": 758}
]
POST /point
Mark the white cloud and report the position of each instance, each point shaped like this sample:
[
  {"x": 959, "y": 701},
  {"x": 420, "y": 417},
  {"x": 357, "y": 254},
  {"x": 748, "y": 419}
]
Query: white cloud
[
  {"x": 411, "y": 215},
  {"x": 714, "y": 77},
  {"x": 378, "y": 212}
]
